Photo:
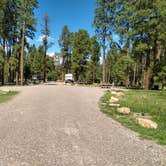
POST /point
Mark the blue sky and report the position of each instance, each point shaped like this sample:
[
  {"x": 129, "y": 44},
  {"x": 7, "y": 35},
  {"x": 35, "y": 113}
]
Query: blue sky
[{"x": 76, "y": 14}]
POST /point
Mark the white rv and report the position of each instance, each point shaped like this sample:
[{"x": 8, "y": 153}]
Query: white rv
[{"x": 69, "y": 78}]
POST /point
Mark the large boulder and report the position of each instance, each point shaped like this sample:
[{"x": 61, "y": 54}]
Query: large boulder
[
  {"x": 146, "y": 123},
  {"x": 6, "y": 90},
  {"x": 120, "y": 95},
  {"x": 124, "y": 110},
  {"x": 114, "y": 100},
  {"x": 114, "y": 105},
  {"x": 113, "y": 92}
]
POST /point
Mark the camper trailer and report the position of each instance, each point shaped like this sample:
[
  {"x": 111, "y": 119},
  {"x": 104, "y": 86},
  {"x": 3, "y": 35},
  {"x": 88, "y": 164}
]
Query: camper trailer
[{"x": 69, "y": 78}]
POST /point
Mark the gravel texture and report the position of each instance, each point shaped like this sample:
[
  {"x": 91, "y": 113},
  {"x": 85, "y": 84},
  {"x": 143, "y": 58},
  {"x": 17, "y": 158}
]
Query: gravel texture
[{"x": 57, "y": 125}]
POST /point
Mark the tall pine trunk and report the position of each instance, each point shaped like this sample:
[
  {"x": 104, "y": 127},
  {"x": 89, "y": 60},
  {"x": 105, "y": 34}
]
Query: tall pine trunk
[
  {"x": 63, "y": 68},
  {"x": 147, "y": 70},
  {"x": 139, "y": 77},
  {"x": 3, "y": 66},
  {"x": 17, "y": 76},
  {"x": 9, "y": 74},
  {"x": 134, "y": 74},
  {"x": 18, "y": 73},
  {"x": 94, "y": 74},
  {"x": 2, "y": 74},
  {"x": 9, "y": 66},
  {"x": 22, "y": 55},
  {"x": 44, "y": 67},
  {"x": 109, "y": 72},
  {"x": 104, "y": 63},
  {"x": 127, "y": 81},
  {"x": 157, "y": 53}
]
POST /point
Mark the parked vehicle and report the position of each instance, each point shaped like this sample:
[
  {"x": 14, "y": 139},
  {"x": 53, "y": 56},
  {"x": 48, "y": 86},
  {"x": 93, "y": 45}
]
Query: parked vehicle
[
  {"x": 106, "y": 85},
  {"x": 69, "y": 78}
]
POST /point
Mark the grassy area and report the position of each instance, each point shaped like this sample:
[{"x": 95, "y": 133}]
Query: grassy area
[
  {"x": 151, "y": 104},
  {"x": 4, "y": 96}
]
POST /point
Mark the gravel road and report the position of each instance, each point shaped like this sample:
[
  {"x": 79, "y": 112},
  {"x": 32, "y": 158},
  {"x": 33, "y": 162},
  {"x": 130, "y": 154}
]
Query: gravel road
[{"x": 57, "y": 125}]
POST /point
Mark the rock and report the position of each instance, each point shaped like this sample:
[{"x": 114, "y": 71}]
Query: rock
[
  {"x": 124, "y": 110},
  {"x": 120, "y": 94},
  {"x": 4, "y": 93},
  {"x": 5, "y": 90},
  {"x": 114, "y": 100},
  {"x": 113, "y": 92},
  {"x": 146, "y": 123},
  {"x": 114, "y": 105}
]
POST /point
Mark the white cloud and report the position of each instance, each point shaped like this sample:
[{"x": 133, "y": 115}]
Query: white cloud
[
  {"x": 28, "y": 39},
  {"x": 40, "y": 38},
  {"x": 51, "y": 54}
]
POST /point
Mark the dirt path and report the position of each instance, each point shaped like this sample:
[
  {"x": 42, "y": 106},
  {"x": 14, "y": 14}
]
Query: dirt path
[{"x": 56, "y": 125}]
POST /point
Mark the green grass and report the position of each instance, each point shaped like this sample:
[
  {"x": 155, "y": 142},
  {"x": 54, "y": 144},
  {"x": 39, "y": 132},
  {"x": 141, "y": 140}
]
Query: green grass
[
  {"x": 147, "y": 103},
  {"x": 4, "y": 96}
]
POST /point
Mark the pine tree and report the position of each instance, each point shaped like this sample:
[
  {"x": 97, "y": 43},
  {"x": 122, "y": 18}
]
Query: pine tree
[
  {"x": 103, "y": 23},
  {"x": 145, "y": 31},
  {"x": 27, "y": 22},
  {"x": 80, "y": 54},
  {"x": 46, "y": 33},
  {"x": 95, "y": 57},
  {"x": 65, "y": 43},
  {"x": 7, "y": 23}
]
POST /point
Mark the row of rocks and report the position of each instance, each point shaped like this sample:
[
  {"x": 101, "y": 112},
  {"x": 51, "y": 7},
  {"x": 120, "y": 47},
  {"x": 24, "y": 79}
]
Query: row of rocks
[
  {"x": 4, "y": 91},
  {"x": 146, "y": 123},
  {"x": 124, "y": 110},
  {"x": 114, "y": 102},
  {"x": 117, "y": 98}
]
